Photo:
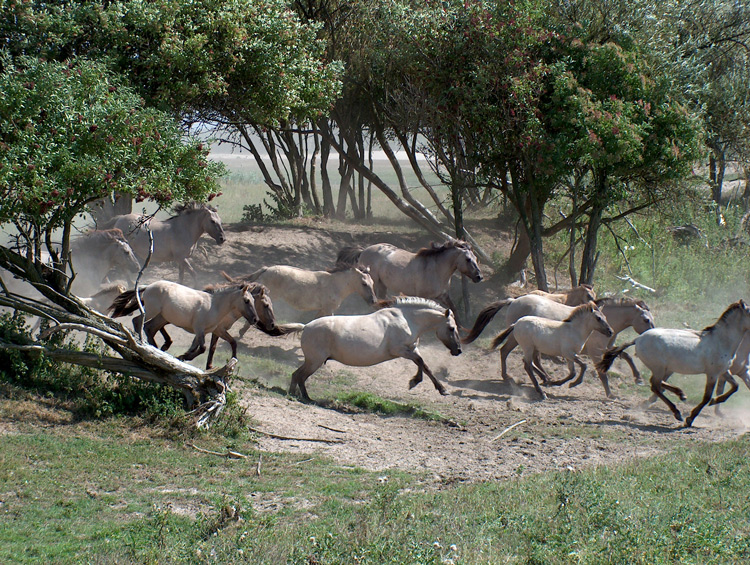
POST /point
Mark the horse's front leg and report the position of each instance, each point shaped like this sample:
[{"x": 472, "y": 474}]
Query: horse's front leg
[
  {"x": 571, "y": 374},
  {"x": 185, "y": 265},
  {"x": 707, "y": 394},
  {"x": 413, "y": 355},
  {"x": 196, "y": 348},
  {"x": 656, "y": 387},
  {"x": 445, "y": 298},
  {"x": 223, "y": 334}
]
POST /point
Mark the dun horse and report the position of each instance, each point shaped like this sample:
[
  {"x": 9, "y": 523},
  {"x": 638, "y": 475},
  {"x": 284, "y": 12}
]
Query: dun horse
[
  {"x": 426, "y": 273},
  {"x": 538, "y": 336},
  {"x": 194, "y": 311},
  {"x": 263, "y": 308},
  {"x": 98, "y": 253},
  {"x": 620, "y": 314},
  {"x": 366, "y": 340},
  {"x": 580, "y": 294},
  {"x": 666, "y": 351},
  {"x": 319, "y": 291},
  {"x": 175, "y": 239}
]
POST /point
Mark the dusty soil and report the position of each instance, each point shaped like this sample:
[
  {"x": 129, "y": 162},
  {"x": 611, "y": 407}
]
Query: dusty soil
[{"x": 572, "y": 429}]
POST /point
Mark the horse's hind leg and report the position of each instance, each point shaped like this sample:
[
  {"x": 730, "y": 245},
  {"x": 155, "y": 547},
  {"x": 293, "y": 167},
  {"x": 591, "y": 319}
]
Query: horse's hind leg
[
  {"x": 300, "y": 376},
  {"x": 636, "y": 373},
  {"x": 527, "y": 364},
  {"x": 536, "y": 364},
  {"x": 707, "y": 394},
  {"x": 196, "y": 348},
  {"x": 509, "y": 345}
]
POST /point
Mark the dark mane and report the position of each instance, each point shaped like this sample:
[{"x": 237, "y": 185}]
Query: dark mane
[
  {"x": 580, "y": 311},
  {"x": 621, "y": 301},
  {"x": 739, "y": 305},
  {"x": 339, "y": 267},
  {"x": 187, "y": 207},
  {"x": 254, "y": 287},
  {"x": 437, "y": 248}
]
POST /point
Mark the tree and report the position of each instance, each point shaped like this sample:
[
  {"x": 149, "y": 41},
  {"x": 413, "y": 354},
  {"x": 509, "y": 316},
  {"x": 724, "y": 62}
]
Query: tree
[{"x": 69, "y": 134}]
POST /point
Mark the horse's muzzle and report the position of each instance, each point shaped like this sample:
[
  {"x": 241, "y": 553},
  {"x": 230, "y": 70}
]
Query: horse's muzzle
[
  {"x": 477, "y": 278},
  {"x": 455, "y": 352}
]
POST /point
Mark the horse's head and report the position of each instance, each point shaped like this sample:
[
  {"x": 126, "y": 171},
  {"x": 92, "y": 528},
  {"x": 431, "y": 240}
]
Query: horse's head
[
  {"x": 248, "y": 305},
  {"x": 643, "y": 320},
  {"x": 366, "y": 287},
  {"x": 467, "y": 263},
  {"x": 600, "y": 322},
  {"x": 447, "y": 333},
  {"x": 580, "y": 295},
  {"x": 263, "y": 307},
  {"x": 121, "y": 256},
  {"x": 212, "y": 225}
]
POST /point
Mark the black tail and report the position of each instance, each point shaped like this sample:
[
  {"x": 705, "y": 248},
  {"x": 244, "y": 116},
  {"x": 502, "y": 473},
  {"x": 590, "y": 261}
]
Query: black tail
[
  {"x": 124, "y": 304},
  {"x": 281, "y": 329},
  {"x": 484, "y": 318},
  {"x": 349, "y": 255},
  {"x": 502, "y": 337},
  {"x": 609, "y": 357}
]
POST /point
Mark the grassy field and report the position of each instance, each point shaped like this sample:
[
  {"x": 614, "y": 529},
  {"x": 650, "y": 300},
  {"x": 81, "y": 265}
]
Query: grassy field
[{"x": 124, "y": 491}]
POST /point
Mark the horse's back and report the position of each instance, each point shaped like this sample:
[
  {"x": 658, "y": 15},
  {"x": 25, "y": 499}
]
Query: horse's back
[
  {"x": 538, "y": 333},
  {"x": 359, "y": 341},
  {"x": 671, "y": 350},
  {"x": 535, "y": 305},
  {"x": 175, "y": 302}
]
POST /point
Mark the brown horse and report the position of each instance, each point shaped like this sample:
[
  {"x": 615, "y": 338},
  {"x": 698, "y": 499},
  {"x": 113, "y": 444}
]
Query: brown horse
[
  {"x": 426, "y": 273},
  {"x": 264, "y": 309},
  {"x": 175, "y": 239}
]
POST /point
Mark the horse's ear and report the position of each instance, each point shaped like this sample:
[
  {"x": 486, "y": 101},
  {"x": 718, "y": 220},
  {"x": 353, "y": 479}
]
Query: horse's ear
[
  {"x": 589, "y": 286},
  {"x": 743, "y": 304},
  {"x": 447, "y": 312}
]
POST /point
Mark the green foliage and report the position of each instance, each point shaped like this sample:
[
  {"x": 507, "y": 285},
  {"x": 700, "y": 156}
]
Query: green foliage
[
  {"x": 71, "y": 133},
  {"x": 227, "y": 57},
  {"x": 90, "y": 393}
]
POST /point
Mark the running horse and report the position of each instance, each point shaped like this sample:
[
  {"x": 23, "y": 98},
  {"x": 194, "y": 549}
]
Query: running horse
[
  {"x": 542, "y": 336},
  {"x": 666, "y": 351},
  {"x": 176, "y": 238},
  {"x": 426, "y": 273},
  {"x": 98, "y": 254},
  {"x": 389, "y": 333},
  {"x": 195, "y": 311}
]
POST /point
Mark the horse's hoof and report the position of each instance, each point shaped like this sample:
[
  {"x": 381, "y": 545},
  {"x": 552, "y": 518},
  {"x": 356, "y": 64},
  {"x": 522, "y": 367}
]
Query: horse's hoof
[
  {"x": 443, "y": 392},
  {"x": 574, "y": 384},
  {"x": 640, "y": 382},
  {"x": 689, "y": 422},
  {"x": 679, "y": 417},
  {"x": 683, "y": 397},
  {"x": 412, "y": 384}
]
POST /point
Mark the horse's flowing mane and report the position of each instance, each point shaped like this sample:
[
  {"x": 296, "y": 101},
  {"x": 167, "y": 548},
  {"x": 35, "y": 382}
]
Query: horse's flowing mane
[
  {"x": 188, "y": 207},
  {"x": 339, "y": 267},
  {"x": 621, "y": 301},
  {"x": 739, "y": 305},
  {"x": 581, "y": 310},
  {"x": 410, "y": 302},
  {"x": 437, "y": 248}
]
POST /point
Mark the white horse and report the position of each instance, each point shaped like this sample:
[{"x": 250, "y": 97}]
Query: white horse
[
  {"x": 711, "y": 351},
  {"x": 175, "y": 239},
  {"x": 366, "y": 340},
  {"x": 321, "y": 292},
  {"x": 195, "y": 311},
  {"x": 426, "y": 273},
  {"x": 538, "y": 336}
]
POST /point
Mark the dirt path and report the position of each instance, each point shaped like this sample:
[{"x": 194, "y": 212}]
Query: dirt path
[{"x": 574, "y": 428}]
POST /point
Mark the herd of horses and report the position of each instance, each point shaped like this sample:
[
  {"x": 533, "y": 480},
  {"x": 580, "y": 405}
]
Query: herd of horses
[{"x": 408, "y": 292}]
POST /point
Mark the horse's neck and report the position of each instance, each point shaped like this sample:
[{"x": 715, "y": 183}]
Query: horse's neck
[
  {"x": 190, "y": 223},
  {"x": 421, "y": 320},
  {"x": 445, "y": 265},
  {"x": 582, "y": 328},
  {"x": 727, "y": 335},
  {"x": 619, "y": 317}
]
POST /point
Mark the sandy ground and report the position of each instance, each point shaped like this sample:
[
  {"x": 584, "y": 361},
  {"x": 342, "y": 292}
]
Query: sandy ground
[{"x": 490, "y": 430}]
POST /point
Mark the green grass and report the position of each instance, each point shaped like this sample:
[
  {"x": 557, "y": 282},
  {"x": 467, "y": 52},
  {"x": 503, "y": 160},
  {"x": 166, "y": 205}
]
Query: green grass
[{"x": 103, "y": 494}]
